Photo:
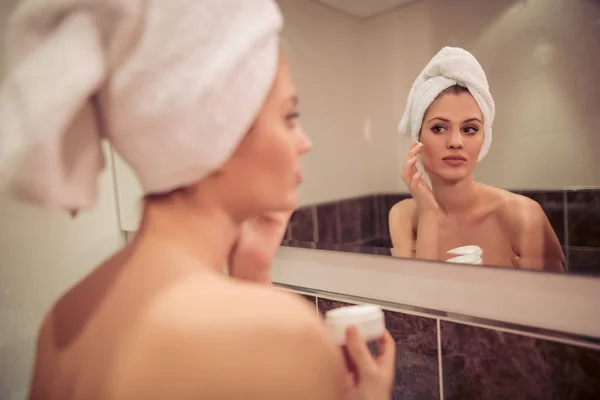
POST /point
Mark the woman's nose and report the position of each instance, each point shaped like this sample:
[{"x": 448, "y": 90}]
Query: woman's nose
[
  {"x": 304, "y": 143},
  {"x": 456, "y": 140}
]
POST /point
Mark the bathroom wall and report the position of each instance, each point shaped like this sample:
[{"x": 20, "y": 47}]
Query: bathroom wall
[
  {"x": 325, "y": 48},
  {"x": 439, "y": 357},
  {"x": 42, "y": 253},
  {"x": 354, "y": 77},
  {"x": 541, "y": 60}
]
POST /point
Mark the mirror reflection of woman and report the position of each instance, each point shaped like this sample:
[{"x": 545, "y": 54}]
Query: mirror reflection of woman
[{"x": 449, "y": 114}]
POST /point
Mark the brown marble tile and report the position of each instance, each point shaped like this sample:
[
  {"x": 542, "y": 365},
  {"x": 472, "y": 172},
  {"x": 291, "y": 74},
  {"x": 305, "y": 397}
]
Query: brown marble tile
[
  {"x": 325, "y": 305},
  {"x": 480, "y": 363},
  {"x": 328, "y": 246},
  {"x": 416, "y": 353},
  {"x": 368, "y": 216},
  {"x": 357, "y": 218},
  {"x": 377, "y": 217},
  {"x": 583, "y": 208},
  {"x": 378, "y": 242},
  {"x": 586, "y": 261},
  {"x": 311, "y": 299},
  {"x": 552, "y": 203},
  {"x": 416, "y": 356},
  {"x": 383, "y": 213},
  {"x": 299, "y": 244},
  {"x": 302, "y": 225},
  {"x": 328, "y": 216},
  {"x": 350, "y": 220},
  {"x": 362, "y": 249},
  {"x": 386, "y": 202}
]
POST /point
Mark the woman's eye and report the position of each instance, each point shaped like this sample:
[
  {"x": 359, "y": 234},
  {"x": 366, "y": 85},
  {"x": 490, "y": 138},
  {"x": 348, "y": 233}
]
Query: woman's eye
[
  {"x": 437, "y": 129},
  {"x": 291, "y": 120},
  {"x": 470, "y": 130},
  {"x": 292, "y": 116}
]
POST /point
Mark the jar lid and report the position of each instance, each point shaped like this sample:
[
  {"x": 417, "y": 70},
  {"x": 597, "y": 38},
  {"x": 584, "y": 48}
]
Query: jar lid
[
  {"x": 352, "y": 315},
  {"x": 368, "y": 319}
]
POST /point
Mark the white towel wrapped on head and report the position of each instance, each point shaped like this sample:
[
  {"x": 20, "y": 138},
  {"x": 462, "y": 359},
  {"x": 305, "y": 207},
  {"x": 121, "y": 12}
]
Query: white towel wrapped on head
[
  {"x": 172, "y": 84},
  {"x": 450, "y": 66}
]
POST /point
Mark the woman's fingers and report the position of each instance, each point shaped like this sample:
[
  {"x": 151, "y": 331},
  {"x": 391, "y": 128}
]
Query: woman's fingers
[
  {"x": 359, "y": 353},
  {"x": 415, "y": 149},
  {"x": 411, "y": 159},
  {"x": 410, "y": 174},
  {"x": 387, "y": 352},
  {"x": 408, "y": 170},
  {"x": 415, "y": 180}
]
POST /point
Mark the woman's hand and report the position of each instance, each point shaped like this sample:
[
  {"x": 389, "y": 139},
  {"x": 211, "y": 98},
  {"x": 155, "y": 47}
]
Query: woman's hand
[
  {"x": 413, "y": 178},
  {"x": 257, "y": 243},
  {"x": 371, "y": 378}
]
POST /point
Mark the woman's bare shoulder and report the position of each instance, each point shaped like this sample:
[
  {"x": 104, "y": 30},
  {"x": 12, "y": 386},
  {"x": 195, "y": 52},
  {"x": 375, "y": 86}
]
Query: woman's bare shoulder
[
  {"x": 516, "y": 208},
  {"x": 404, "y": 208},
  {"x": 206, "y": 337}
]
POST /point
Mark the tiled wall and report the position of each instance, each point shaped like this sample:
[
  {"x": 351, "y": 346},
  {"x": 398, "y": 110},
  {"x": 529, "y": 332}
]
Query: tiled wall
[
  {"x": 442, "y": 359},
  {"x": 361, "y": 225}
]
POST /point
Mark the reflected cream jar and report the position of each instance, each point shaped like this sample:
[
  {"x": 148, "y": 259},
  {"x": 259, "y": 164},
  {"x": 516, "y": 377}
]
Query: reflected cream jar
[{"x": 466, "y": 255}]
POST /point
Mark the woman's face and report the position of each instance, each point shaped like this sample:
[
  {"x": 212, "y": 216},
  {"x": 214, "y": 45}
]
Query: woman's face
[
  {"x": 265, "y": 168},
  {"x": 452, "y": 136}
]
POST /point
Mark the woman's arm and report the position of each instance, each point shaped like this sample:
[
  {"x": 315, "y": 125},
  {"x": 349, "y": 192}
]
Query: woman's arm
[
  {"x": 537, "y": 245},
  {"x": 401, "y": 221},
  {"x": 400, "y": 224},
  {"x": 423, "y": 207}
]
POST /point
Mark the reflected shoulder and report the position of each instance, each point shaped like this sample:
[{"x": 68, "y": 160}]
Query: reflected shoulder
[
  {"x": 519, "y": 209},
  {"x": 403, "y": 208}
]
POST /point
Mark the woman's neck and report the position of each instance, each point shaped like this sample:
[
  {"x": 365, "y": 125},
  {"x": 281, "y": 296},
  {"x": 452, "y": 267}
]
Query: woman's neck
[
  {"x": 455, "y": 198},
  {"x": 206, "y": 234}
]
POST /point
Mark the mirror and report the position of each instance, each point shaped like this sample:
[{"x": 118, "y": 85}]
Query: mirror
[{"x": 533, "y": 202}]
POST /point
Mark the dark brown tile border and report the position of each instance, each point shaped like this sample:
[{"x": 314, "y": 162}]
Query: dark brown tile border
[{"x": 547, "y": 334}]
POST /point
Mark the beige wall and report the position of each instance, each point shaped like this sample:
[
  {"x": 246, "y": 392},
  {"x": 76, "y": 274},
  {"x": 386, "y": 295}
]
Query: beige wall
[
  {"x": 42, "y": 254},
  {"x": 329, "y": 73},
  {"x": 541, "y": 59}
]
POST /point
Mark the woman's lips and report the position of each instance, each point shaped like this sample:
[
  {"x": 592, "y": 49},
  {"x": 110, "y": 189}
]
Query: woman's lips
[
  {"x": 455, "y": 160},
  {"x": 298, "y": 178}
]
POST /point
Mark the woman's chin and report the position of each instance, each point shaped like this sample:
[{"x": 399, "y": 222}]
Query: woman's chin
[
  {"x": 292, "y": 200},
  {"x": 453, "y": 176},
  {"x": 288, "y": 202}
]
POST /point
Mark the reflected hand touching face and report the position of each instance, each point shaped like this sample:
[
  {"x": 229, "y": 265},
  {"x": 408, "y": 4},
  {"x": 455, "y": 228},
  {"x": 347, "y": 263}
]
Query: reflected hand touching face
[
  {"x": 452, "y": 135},
  {"x": 413, "y": 178}
]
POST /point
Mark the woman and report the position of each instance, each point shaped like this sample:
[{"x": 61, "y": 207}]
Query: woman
[
  {"x": 449, "y": 114},
  {"x": 195, "y": 96}
]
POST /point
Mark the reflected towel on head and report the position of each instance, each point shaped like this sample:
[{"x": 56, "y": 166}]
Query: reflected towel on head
[
  {"x": 173, "y": 85},
  {"x": 449, "y": 67}
]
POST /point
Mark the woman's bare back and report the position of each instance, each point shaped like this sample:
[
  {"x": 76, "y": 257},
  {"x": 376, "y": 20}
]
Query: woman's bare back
[{"x": 146, "y": 331}]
